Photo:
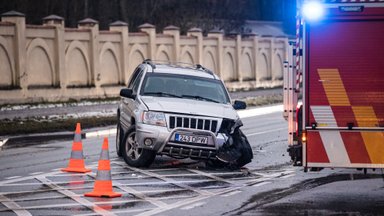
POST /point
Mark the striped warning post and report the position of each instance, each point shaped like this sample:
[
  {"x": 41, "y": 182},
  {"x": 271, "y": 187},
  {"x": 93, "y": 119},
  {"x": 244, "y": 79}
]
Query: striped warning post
[
  {"x": 76, "y": 162},
  {"x": 103, "y": 183},
  {"x": 297, "y": 68}
]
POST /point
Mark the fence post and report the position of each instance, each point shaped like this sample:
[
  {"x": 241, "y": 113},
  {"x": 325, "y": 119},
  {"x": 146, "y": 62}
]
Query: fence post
[
  {"x": 175, "y": 32},
  {"x": 198, "y": 33},
  {"x": 122, "y": 27},
  {"x": 93, "y": 25},
  {"x": 59, "y": 49},
  {"x": 151, "y": 31},
  {"x": 20, "y": 77},
  {"x": 219, "y": 35}
]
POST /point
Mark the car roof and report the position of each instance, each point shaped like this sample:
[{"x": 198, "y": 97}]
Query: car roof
[{"x": 198, "y": 71}]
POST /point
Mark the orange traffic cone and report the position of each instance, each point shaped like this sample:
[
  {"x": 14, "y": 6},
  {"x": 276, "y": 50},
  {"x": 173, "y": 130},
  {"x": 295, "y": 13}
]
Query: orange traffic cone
[
  {"x": 76, "y": 162},
  {"x": 103, "y": 183}
]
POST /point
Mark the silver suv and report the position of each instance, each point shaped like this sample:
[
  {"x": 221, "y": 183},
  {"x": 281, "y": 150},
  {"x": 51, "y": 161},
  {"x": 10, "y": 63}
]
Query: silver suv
[{"x": 182, "y": 112}]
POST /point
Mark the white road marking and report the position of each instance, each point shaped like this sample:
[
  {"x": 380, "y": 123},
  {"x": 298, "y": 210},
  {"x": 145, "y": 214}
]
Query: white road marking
[
  {"x": 27, "y": 178},
  {"x": 14, "y": 206},
  {"x": 36, "y": 173},
  {"x": 126, "y": 212},
  {"x": 33, "y": 198},
  {"x": 101, "y": 133},
  {"x": 74, "y": 196},
  {"x": 260, "y": 111},
  {"x": 210, "y": 176},
  {"x": 174, "y": 205},
  {"x": 182, "y": 202},
  {"x": 140, "y": 195},
  {"x": 231, "y": 193},
  {"x": 262, "y": 183},
  {"x": 193, "y": 205},
  {"x": 265, "y": 132},
  {"x": 13, "y": 177},
  {"x": 2, "y": 142},
  {"x": 287, "y": 176},
  {"x": 93, "y": 205},
  {"x": 181, "y": 184}
]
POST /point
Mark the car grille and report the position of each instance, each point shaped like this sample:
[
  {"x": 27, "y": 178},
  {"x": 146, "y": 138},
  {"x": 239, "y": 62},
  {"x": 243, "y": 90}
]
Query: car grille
[
  {"x": 194, "y": 123},
  {"x": 185, "y": 151}
]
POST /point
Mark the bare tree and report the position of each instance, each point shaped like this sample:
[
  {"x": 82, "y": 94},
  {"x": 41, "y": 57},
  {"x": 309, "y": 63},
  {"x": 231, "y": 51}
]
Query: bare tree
[{"x": 227, "y": 15}]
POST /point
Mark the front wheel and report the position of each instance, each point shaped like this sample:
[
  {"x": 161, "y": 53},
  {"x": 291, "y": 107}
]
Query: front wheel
[{"x": 132, "y": 154}]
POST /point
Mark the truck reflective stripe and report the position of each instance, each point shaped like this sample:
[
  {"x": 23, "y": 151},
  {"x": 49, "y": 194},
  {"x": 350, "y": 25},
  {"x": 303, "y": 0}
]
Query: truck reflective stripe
[
  {"x": 334, "y": 87},
  {"x": 374, "y": 141},
  {"x": 332, "y": 140},
  {"x": 324, "y": 116}
]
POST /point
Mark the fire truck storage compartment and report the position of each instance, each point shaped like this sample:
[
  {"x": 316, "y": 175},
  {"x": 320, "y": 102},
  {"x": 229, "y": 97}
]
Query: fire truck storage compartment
[{"x": 344, "y": 89}]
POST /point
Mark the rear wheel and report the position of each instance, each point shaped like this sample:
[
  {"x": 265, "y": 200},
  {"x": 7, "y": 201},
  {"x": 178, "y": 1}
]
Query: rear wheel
[
  {"x": 132, "y": 154},
  {"x": 119, "y": 137}
]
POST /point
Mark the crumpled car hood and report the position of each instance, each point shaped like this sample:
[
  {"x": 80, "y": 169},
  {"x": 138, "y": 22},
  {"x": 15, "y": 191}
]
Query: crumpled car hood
[{"x": 189, "y": 107}]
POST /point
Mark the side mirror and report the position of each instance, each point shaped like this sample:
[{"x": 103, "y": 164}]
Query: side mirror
[
  {"x": 238, "y": 105},
  {"x": 126, "y": 93}
]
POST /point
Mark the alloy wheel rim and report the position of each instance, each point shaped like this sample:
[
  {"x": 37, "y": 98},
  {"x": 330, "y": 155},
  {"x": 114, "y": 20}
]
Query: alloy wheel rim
[{"x": 133, "y": 151}]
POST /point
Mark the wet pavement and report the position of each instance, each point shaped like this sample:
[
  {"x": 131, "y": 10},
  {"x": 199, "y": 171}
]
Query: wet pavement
[
  {"x": 145, "y": 191},
  {"x": 31, "y": 182},
  {"x": 187, "y": 186},
  {"x": 335, "y": 194}
]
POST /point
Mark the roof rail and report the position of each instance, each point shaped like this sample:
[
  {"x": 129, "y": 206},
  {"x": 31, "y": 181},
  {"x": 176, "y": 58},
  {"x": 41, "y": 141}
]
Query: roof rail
[
  {"x": 199, "y": 66},
  {"x": 149, "y": 61},
  {"x": 171, "y": 63}
]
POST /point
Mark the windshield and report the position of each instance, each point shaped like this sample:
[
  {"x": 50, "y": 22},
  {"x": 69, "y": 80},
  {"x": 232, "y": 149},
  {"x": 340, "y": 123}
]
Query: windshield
[{"x": 182, "y": 86}]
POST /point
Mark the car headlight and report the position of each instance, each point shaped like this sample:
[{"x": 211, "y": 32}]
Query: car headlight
[{"x": 154, "y": 118}]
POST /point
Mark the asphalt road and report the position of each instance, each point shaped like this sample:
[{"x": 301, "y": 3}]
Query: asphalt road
[{"x": 31, "y": 182}]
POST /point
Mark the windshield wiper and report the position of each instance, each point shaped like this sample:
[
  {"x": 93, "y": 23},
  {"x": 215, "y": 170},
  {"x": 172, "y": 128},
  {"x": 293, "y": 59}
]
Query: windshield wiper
[
  {"x": 197, "y": 97},
  {"x": 162, "y": 94}
]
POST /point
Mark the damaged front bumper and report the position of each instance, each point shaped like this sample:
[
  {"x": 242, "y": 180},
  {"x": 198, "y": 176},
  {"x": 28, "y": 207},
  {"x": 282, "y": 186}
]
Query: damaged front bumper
[
  {"x": 167, "y": 142},
  {"x": 229, "y": 144}
]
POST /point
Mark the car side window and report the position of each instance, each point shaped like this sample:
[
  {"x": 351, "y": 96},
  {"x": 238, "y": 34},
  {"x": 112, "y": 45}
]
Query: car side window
[
  {"x": 134, "y": 77},
  {"x": 136, "y": 83}
]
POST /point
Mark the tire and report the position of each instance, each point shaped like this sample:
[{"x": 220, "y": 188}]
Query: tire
[
  {"x": 246, "y": 150},
  {"x": 119, "y": 139},
  {"x": 133, "y": 156}
]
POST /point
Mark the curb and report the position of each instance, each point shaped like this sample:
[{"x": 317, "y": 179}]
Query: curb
[{"x": 35, "y": 139}]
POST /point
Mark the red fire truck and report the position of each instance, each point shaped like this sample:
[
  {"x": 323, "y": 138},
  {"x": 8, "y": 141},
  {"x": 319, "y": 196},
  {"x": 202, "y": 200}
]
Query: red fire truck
[{"x": 336, "y": 72}]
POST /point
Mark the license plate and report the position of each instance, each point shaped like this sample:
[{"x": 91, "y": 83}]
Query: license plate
[{"x": 191, "y": 139}]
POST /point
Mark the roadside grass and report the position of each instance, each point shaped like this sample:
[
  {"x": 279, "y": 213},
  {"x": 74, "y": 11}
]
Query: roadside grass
[
  {"x": 263, "y": 100},
  {"x": 30, "y": 126},
  {"x": 68, "y": 103},
  {"x": 42, "y": 125}
]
